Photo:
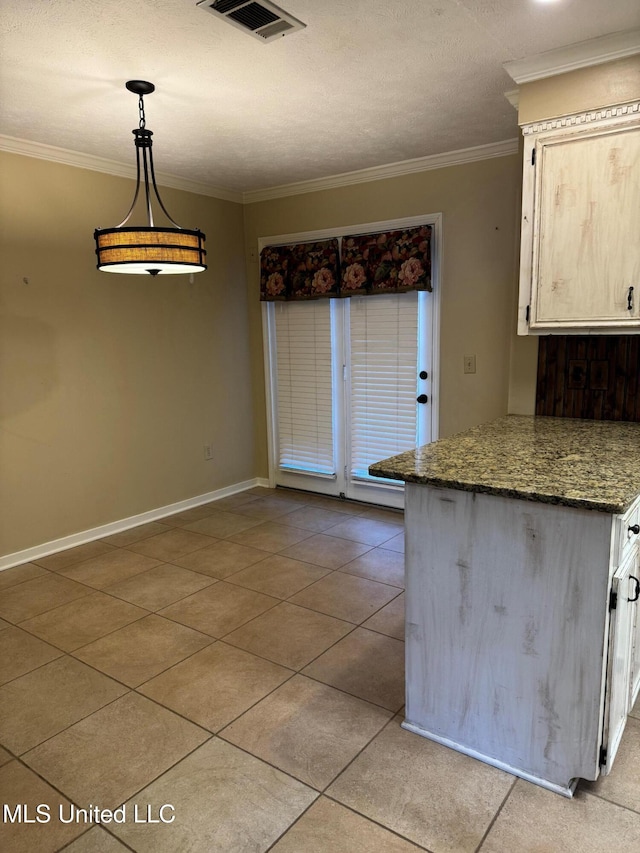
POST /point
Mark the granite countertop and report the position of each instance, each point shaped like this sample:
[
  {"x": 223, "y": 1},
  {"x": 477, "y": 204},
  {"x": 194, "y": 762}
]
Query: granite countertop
[{"x": 580, "y": 463}]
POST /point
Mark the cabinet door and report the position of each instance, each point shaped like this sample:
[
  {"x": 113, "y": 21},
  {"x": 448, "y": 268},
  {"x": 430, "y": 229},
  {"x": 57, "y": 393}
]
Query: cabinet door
[
  {"x": 635, "y": 643},
  {"x": 618, "y": 687},
  {"x": 586, "y": 254}
]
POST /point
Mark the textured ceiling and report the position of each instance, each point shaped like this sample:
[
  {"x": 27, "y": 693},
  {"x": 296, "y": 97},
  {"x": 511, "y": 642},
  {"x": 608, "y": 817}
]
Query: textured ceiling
[{"x": 367, "y": 83}]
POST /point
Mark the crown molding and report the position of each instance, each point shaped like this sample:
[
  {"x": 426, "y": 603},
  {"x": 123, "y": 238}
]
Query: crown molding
[
  {"x": 513, "y": 96},
  {"x": 391, "y": 170},
  {"x": 628, "y": 110},
  {"x": 574, "y": 56},
  {"x": 40, "y": 151}
]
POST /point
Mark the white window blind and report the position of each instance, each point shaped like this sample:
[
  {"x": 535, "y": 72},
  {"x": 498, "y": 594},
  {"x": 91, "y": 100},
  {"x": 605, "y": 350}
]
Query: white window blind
[
  {"x": 304, "y": 395},
  {"x": 383, "y": 359}
]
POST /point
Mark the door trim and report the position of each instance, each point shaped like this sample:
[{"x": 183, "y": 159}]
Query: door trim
[{"x": 268, "y": 337}]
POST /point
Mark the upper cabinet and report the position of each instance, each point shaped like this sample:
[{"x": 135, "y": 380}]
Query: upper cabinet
[{"x": 580, "y": 248}]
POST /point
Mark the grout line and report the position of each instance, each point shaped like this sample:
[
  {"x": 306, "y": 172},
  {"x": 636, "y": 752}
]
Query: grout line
[
  {"x": 75, "y": 722},
  {"x": 394, "y": 714},
  {"x": 71, "y": 652},
  {"x": 377, "y": 822},
  {"x": 291, "y": 825},
  {"x": 341, "y": 618},
  {"x": 292, "y": 674},
  {"x": 230, "y": 580},
  {"x": 353, "y": 695},
  {"x": 176, "y": 621},
  {"x": 609, "y": 801},
  {"x": 496, "y": 816},
  {"x": 129, "y": 688},
  {"x": 49, "y": 609},
  {"x": 333, "y": 799},
  {"x": 180, "y": 714},
  {"x": 83, "y": 834},
  {"x": 344, "y": 571},
  {"x": 147, "y": 612},
  {"x": 226, "y": 640},
  {"x": 7, "y": 587},
  {"x": 35, "y": 668},
  {"x": 268, "y": 763},
  {"x": 209, "y": 737},
  {"x": 62, "y": 794},
  {"x": 155, "y": 675}
]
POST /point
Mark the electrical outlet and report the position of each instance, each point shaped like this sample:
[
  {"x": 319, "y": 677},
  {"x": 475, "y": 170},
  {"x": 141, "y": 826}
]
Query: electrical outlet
[
  {"x": 208, "y": 452},
  {"x": 469, "y": 363}
]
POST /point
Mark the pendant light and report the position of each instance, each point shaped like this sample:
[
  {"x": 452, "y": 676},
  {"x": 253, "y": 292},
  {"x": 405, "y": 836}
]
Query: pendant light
[{"x": 148, "y": 249}]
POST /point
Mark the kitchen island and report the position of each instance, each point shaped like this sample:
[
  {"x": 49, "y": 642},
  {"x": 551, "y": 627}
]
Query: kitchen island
[{"x": 522, "y": 575}]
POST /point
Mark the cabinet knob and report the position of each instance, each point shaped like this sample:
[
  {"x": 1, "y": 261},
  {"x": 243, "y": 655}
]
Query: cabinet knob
[{"x": 635, "y": 529}]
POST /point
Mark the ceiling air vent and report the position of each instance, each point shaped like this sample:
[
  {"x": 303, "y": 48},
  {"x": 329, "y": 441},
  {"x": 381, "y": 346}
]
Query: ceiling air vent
[{"x": 262, "y": 20}]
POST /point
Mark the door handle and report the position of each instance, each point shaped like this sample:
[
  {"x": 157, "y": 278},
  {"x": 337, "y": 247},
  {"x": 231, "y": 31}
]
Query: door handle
[
  {"x": 637, "y": 583},
  {"x": 422, "y": 398}
]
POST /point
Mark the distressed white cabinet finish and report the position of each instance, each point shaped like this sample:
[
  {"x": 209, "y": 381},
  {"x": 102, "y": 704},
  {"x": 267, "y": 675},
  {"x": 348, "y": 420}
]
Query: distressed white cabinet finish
[
  {"x": 517, "y": 533},
  {"x": 509, "y": 628},
  {"x": 580, "y": 253}
]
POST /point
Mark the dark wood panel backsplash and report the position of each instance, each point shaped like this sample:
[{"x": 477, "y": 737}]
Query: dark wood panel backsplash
[{"x": 595, "y": 376}]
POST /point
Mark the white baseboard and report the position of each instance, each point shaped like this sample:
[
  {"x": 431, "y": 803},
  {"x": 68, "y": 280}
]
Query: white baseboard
[{"x": 55, "y": 545}]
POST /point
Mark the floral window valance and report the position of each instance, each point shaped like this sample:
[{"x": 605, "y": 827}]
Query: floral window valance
[
  {"x": 386, "y": 262},
  {"x": 302, "y": 271}
]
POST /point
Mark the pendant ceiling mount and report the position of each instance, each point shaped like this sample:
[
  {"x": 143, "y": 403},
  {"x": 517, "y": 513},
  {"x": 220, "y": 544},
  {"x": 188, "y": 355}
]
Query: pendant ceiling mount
[
  {"x": 148, "y": 249},
  {"x": 140, "y": 87}
]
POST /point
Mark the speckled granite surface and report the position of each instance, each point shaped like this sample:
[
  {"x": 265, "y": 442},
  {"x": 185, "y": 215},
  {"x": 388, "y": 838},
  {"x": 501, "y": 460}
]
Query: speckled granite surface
[{"x": 587, "y": 464}]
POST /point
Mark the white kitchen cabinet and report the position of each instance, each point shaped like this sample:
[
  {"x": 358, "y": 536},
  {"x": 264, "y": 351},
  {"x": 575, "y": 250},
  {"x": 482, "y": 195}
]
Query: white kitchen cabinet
[
  {"x": 522, "y": 625},
  {"x": 634, "y": 594},
  {"x": 620, "y": 661},
  {"x": 580, "y": 253},
  {"x": 518, "y": 652}
]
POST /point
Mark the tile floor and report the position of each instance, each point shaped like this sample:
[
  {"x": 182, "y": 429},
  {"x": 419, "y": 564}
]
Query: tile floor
[{"x": 241, "y": 665}]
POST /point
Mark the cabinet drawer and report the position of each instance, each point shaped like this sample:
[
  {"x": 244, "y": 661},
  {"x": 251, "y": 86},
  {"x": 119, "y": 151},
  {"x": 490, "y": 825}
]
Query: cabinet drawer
[{"x": 627, "y": 539}]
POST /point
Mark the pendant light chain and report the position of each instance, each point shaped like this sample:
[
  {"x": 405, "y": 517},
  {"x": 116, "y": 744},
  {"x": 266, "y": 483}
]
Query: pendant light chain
[{"x": 142, "y": 123}]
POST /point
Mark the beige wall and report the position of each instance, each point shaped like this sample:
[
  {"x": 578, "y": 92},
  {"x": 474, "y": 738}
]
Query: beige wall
[
  {"x": 576, "y": 91},
  {"x": 110, "y": 385},
  {"x": 478, "y": 286},
  {"x": 585, "y": 89}
]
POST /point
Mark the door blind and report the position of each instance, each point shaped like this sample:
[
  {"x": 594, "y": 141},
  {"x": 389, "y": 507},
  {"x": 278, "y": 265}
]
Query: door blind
[
  {"x": 383, "y": 358},
  {"x": 304, "y": 394}
]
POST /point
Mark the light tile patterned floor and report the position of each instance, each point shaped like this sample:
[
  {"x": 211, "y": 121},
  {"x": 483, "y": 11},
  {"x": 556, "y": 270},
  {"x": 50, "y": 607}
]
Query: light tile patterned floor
[{"x": 242, "y": 663}]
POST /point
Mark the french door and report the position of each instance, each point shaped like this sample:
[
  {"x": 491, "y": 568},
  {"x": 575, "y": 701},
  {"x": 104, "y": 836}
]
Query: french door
[{"x": 350, "y": 382}]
